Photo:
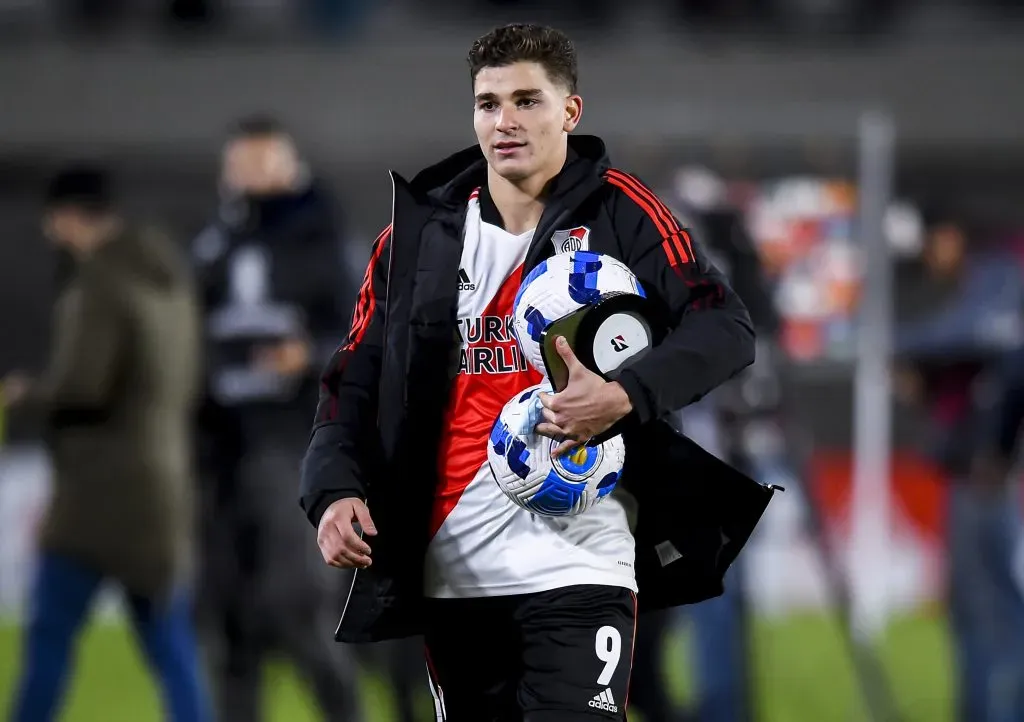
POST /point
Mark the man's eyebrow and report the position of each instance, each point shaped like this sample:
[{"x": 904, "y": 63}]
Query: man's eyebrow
[{"x": 523, "y": 93}]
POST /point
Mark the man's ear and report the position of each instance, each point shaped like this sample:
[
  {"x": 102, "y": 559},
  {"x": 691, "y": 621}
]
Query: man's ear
[{"x": 573, "y": 113}]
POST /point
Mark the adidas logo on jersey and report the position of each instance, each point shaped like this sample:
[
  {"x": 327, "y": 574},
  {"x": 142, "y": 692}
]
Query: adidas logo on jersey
[
  {"x": 604, "y": 701},
  {"x": 464, "y": 283}
]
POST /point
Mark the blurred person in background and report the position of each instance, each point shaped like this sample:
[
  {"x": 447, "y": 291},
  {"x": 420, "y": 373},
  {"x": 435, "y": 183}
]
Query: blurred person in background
[
  {"x": 960, "y": 315},
  {"x": 990, "y": 525},
  {"x": 725, "y": 423},
  {"x": 275, "y": 295},
  {"x": 716, "y": 422},
  {"x": 118, "y": 398}
]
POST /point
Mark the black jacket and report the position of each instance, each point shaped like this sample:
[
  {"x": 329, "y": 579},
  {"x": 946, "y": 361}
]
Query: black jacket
[{"x": 383, "y": 395}]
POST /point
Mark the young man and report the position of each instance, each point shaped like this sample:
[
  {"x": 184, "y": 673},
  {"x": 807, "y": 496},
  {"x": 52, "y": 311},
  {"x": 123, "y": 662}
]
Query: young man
[{"x": 524, "y": 617}]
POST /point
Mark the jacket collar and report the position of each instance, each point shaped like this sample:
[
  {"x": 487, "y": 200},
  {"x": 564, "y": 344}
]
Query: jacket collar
[{"x": 447, "y": 186}]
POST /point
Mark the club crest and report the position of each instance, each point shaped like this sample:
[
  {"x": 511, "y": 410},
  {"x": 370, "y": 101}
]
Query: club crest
[{"x": 571, "y": 240}]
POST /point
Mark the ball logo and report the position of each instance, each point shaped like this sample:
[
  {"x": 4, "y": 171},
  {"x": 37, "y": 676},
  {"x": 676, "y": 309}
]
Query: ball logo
[
  {"x": 579, "y": 465},
  {"x": 572, "y": 240}
]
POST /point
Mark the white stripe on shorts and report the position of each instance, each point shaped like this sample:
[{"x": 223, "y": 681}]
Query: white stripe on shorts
[{"x": 435, "y": 691}]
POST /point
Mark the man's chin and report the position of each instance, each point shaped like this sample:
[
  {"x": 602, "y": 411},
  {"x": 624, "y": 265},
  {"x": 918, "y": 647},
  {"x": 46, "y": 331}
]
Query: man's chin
[{"x": 511, "y": 170}]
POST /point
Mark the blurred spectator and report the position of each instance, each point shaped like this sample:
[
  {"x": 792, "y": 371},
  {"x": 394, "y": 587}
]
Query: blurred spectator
[
  {"x": 957, "y": 313},
  {"x": 118, "y": 396},
  {"x": 719, "y": 633},
  {"x": 962, "y": 313},
  {"x": 985, "y": 530},
  {"x": 276, "y": 299},
  {"x": 721, "y": 636}
]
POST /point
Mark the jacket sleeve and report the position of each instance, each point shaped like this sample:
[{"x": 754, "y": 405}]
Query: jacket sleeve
[
  {"x": 87, "y": 345},
  {"x": 711, "y": 337},
  {"x": 341, "y": 447}
]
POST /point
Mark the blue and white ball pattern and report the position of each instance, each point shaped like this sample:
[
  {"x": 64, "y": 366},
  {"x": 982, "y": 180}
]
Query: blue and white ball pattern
[
  {"x": 525, "y": 471},
  {"x": 560, "y": 285}
]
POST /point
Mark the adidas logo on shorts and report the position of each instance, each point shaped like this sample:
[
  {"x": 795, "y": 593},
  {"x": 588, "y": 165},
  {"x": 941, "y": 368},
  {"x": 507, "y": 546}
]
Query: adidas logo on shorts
[{"x": 604, "y": 701}]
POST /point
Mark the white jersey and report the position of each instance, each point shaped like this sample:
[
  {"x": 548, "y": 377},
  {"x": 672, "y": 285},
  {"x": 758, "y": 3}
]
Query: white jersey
[{"x": 482, "y": 544}]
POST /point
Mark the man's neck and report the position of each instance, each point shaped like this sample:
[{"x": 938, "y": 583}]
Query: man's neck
[
  {"x": 521, "y": 204},
  {"x": 99, "y": 235},
  {"x": 520, "y": 207}
]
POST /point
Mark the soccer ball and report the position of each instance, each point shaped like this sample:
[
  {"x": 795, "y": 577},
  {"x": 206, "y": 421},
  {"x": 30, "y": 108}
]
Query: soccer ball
[
  {"x": 560, "y": 285},
  {"x": 522, "y": 465}
]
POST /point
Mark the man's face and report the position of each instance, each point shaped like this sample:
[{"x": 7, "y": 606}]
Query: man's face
[
  {"x": 521, "y": 118},
  {"x": 260, "y": 165},
  {"x": 944, "y": 252},
  {"x": 62, "y": 227}
]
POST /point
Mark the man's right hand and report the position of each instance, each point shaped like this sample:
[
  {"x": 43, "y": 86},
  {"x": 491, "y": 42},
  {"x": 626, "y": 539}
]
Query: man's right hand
[{"x": 339, "y": 543}]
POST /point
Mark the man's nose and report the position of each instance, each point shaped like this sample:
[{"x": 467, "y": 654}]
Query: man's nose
[{"x": 507, "y": 120}]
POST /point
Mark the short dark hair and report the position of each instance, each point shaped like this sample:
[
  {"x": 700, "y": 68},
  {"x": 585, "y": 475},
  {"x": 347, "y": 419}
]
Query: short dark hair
[
  {"x": 83, "y": 186},
  {"x": 256, "y": 126},
  {"x": 510, "y": 44}
]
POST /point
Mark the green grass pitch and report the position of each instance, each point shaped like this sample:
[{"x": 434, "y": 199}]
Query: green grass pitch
[{"x": 801, "y": 675}]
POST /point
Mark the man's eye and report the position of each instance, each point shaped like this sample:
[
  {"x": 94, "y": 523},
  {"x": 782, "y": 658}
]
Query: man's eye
[
  {"x": 527, "y": 102},
  {"x": 486, "y": 106}
]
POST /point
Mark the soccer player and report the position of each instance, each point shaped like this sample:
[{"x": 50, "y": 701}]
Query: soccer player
[{"x": 524, "y": 617}]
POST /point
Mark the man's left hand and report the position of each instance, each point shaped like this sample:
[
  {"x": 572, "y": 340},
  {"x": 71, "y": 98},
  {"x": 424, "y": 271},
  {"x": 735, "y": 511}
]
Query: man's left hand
[{"x": 586, "y": 407}]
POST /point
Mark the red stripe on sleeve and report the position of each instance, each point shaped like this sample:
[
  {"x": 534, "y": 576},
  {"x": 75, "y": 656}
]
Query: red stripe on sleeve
[
  {"x": 659, "y": 214},
  {"x": 367, "y": 301},
  {"x": 675, "y": 235}
]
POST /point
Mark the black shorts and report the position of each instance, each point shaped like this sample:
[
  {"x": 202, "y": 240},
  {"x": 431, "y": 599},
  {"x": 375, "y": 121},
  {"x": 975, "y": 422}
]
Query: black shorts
[{"x": 560, "y": 655}]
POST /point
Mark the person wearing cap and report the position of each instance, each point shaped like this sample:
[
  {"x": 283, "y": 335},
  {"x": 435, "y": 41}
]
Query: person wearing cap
[{"x": 118, "y": 399}]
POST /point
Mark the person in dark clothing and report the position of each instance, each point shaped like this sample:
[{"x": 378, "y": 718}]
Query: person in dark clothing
[{"x": 275, "y": 295}]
